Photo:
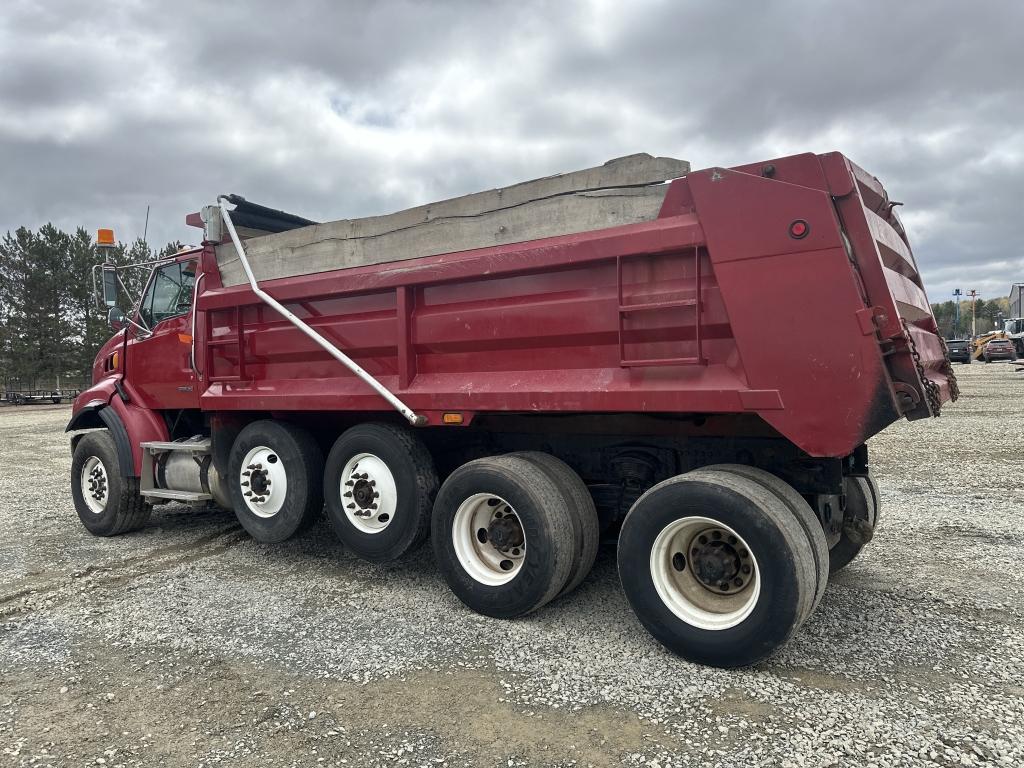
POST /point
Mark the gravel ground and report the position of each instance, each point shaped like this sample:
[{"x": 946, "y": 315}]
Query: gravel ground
[{"x": 189, "y": 644}]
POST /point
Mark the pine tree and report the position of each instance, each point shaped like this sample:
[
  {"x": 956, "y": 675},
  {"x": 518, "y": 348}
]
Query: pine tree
[{"x": 50, "y": 324}]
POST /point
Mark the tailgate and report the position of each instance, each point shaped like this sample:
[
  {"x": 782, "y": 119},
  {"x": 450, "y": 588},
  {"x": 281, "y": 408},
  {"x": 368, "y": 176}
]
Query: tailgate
[{"x": 898, "y": 306}]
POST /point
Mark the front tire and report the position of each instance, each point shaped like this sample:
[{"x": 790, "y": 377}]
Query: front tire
[
  {"x": 379, "y": 485},
  {"x": 275, "y": 475},
  {"x": 716, "y": 567},
  {"x": 108, "y": 504}
]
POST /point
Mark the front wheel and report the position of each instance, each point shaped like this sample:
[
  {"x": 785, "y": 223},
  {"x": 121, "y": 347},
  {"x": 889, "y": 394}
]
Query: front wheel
[
  {"x": 717, "y": 568},
  {"x": 107, "y": 503}
]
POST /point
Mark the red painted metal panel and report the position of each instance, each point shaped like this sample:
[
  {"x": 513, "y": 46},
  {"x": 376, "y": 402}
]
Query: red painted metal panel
[
  {"x": 140, "y": 422},
  {"x": 895, "y": 253}
]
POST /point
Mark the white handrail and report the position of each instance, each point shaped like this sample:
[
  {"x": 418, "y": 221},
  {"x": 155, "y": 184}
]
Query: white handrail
[{"x": 337, "y": 354}]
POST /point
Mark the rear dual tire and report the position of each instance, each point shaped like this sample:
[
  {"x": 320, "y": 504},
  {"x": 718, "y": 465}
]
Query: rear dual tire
[
  {"x": 504, "y": 535},
  {"x": 585, "y": 522},
  {"x": 862, "y": 509},
  {"x": 800, "y": 510},
  {"x": 717, "y": 567}
]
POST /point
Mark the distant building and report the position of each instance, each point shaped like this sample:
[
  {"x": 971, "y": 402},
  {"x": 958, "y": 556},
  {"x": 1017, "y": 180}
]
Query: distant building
[{"x": 1016, "y": 290}]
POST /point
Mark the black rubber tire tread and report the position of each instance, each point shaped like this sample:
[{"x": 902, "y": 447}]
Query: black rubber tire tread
[
  {"x": 785, "y": 566},
  {"x": 876, "y": 499},
  {"x": 130, "y": 512},
  {"x": 861, "y": 494},
  {"x": 416, "y": 481},
  {"x": 304, "y": 467},
  {"x": 586, "y": 527},
  {"x": 801, "y": 511},
  {"x": 541, "y": 507}
]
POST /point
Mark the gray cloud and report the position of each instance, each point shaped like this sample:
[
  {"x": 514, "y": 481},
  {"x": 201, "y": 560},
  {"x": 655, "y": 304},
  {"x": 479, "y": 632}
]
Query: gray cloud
[{"x": 345, "y": 109}]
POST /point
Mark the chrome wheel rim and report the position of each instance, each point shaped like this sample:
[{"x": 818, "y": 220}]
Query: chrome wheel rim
[
  {"x": 94, "y": 485},
  {"x": 705, "y": 573},
  {"x": 368, "y": 493},
  {"x": 489, "y": 539},
  {"x": 263, "y": 481}
]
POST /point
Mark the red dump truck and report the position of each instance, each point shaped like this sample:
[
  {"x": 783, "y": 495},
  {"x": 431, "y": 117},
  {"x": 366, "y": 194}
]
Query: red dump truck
[{"x": 690, "y": 360}]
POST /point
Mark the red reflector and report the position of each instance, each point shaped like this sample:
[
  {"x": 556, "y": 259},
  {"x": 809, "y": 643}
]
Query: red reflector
[{"x": 799, "y": 229}]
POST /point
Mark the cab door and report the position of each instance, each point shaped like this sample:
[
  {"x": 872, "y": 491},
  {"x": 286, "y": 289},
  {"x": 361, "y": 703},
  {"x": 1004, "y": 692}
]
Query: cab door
[{"x": 159, "y": 363}]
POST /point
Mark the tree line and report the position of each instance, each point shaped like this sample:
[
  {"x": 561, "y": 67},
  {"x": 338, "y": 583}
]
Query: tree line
[
  {"x": 50, "y": 326},
  {"x": 988, "y": 316}
]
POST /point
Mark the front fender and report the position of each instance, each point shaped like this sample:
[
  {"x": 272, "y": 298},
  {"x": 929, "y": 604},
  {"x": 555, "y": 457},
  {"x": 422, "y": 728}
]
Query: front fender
[{"x": 109, "y": 404}]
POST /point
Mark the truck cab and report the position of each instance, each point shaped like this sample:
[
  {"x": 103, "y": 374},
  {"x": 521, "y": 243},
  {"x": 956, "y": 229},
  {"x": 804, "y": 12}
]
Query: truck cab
[{"x": 151, "y": 349}]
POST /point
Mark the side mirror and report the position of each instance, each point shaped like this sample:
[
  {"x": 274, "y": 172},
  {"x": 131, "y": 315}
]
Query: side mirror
[
  {"x": 116, "y": 318},
  {"x": 110, "y": 285}
]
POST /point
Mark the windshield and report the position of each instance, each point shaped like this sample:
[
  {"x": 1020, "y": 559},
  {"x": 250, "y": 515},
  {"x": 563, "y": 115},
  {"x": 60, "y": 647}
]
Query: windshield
[
  {"x": 1014, "y": 326},
  {"x": 169, "y": 292}
]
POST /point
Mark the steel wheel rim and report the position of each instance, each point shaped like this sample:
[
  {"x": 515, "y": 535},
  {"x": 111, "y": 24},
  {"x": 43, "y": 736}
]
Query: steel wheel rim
[
  {"x": 478, "y": 521},
  {"x": 94, "y": 485},
  {"x": 369, "y": 495},
  {"x": 263, "y": 481},
  {"x": 690, "y": 598}
]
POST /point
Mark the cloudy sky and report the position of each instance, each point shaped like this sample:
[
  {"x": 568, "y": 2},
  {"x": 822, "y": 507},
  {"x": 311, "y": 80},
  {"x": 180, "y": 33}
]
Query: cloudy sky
[{"x": 348, "y": 108}]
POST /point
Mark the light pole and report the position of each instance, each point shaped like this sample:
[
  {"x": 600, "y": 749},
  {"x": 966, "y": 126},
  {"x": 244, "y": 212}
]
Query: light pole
[
  {"x": 974, "y": 305},
  {"x": 957, "y": 293}
]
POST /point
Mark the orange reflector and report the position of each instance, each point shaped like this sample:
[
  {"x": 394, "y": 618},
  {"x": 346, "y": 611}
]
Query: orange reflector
[
  {"x": 451, "y": 418},
  {"x": 184, "y": 338},
  {"x": 104, "y": 237},
  {"x": 114, "y": 359}
]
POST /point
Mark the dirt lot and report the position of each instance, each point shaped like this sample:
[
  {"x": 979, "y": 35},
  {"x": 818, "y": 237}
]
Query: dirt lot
[{"x": 189, "y": 644}]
